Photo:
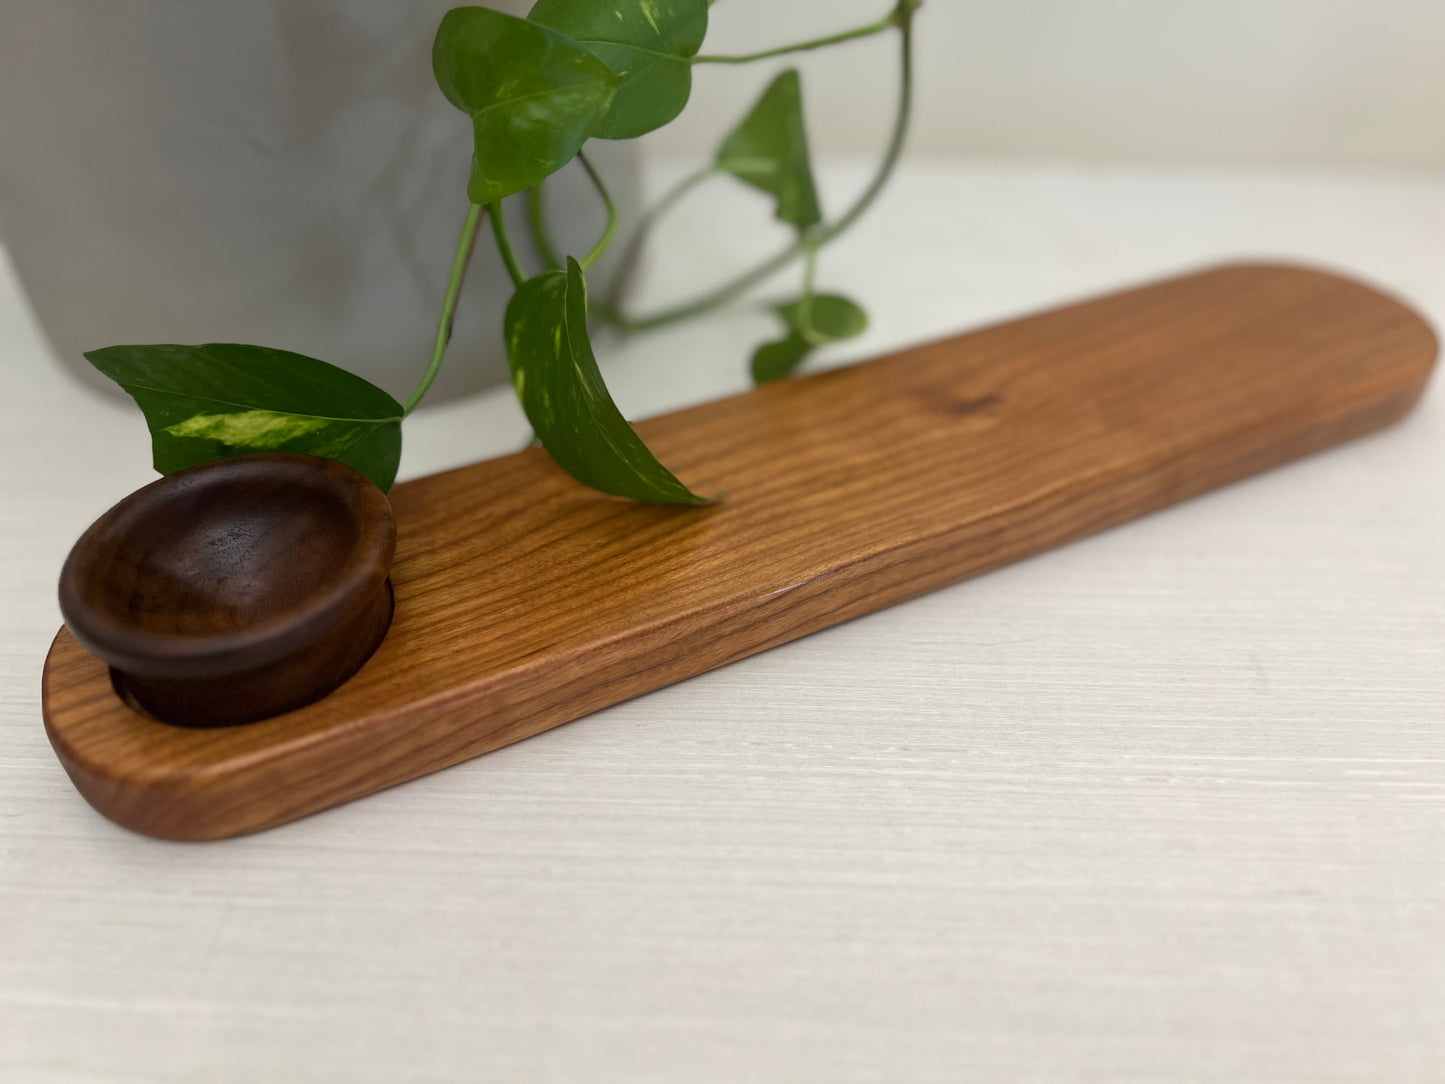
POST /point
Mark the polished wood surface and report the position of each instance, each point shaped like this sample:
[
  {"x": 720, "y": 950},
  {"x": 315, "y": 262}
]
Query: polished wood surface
[
  {"x": 235, "y": 590},
  {"x": 524, "y": 602}
]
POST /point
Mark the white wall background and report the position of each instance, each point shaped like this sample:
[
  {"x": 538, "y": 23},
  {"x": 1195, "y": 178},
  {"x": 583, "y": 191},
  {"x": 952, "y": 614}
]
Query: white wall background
[{"x": 1277, "y": 81}]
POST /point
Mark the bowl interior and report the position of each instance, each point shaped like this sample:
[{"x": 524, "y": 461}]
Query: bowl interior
[{"x": 228, "y": 551}]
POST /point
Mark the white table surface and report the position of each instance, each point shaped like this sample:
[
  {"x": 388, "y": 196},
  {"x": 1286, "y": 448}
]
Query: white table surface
[{"x": 1167, "y": 804}]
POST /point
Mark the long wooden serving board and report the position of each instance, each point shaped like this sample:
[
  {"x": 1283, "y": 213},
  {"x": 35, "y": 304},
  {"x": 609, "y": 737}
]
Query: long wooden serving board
[{"x": 524, "y": 601}]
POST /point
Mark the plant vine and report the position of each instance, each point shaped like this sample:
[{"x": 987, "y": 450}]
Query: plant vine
[{"x": 536, "y": 90}]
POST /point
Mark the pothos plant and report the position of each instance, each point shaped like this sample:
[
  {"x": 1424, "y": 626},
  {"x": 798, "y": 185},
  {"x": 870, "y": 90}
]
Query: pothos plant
[{"x": 536, "y": 90}]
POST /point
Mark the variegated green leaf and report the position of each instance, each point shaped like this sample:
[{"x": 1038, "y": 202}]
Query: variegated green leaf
[
  {"x": 225, "y": 399},
  {"x": 646, "y": 43},
  {"x": 769, "y": 150},
  {"x": 534, "y": 96},
  {"x": 566, "y": 400}
]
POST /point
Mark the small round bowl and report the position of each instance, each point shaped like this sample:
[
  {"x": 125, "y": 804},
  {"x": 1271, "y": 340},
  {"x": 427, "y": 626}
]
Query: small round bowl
[{"x": 237, "y": 589}]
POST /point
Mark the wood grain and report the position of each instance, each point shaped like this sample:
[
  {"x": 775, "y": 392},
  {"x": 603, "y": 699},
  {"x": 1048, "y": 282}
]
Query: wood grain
[{"x": 523, "y": 602}]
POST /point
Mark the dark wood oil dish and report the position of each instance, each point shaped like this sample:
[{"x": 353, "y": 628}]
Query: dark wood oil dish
[{"x": 235, "y": 590}]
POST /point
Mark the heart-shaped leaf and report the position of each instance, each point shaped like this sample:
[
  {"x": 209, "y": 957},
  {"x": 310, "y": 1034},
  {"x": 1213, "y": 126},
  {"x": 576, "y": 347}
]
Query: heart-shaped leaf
[
  {"x": 824, "y": 318},
  {"x": 812, "y": 322},
  {"x": 225, "y": 399},
  {"x": 646, "y": 43},
  {"x": 534, "y": 96},
  {"x": 769, "y": 150},
  {"x": 565, "y": 399},
  {"x": 775, "y": 360}
]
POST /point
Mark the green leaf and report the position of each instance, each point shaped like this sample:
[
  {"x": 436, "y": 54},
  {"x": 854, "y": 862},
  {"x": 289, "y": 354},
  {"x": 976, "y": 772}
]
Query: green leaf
[
  {"x": 565, "y": 399},
  {"x": 773, "y": 361},
  {"x": 646, "y": 43},
  {"x": 811, "y": 323},
  {"x": 830, "y": 317},
  {"x": 225, "y": 399},
  {"x": 769, "y": 150},
  {"x": 534, "y": 96}
]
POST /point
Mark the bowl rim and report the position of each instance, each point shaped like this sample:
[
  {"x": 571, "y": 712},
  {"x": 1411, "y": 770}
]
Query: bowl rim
[{"x": 127, "y": 647}]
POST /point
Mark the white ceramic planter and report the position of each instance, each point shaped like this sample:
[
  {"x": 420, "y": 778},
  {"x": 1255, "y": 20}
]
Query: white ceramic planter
[{"x": 282, "y": 172}]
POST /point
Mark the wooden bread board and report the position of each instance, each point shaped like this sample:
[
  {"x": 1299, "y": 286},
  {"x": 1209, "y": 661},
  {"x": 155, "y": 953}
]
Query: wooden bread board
[{"x": 524, "y": 601}]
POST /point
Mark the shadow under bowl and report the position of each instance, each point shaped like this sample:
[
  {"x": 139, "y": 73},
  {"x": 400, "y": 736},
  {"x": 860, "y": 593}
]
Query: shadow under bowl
[{"x": 235, "y": 590}]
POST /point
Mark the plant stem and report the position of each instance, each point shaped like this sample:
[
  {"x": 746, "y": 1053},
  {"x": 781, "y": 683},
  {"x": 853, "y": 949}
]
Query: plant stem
[
  {"x": 877, "y": 27},
  {"x": 504, "y": 245},
  {"x": 538, "y": 216},
  {"x": 607, "y": 234},
  {"x": 449, "y": 304},
  {"x": 901, "y": 119},
  {"x": 645, "y": 225},
  {"x": 819, "y": 235},
  {"x": 719, "y": 297},
  {"x": 805, "y": 304}
]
